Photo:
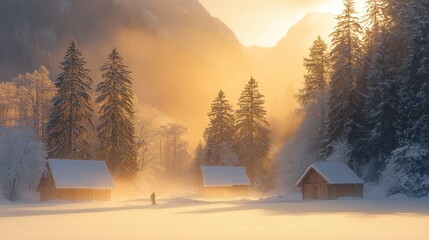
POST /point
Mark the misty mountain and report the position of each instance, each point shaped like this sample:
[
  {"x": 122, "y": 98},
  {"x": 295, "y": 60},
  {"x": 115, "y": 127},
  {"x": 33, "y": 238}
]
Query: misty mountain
[
  {"x": 282, "y": 66},
  {"x": 179, "y": 55},
  {"x": 34, "y": 32},
  {"x": 175, "y": 49}
]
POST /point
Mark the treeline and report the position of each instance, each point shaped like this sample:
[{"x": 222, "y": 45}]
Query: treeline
[
  {"x": 366, "y": 98},
  {"x": 70, "y": 119},
  {"x": 239, "y": 138}
]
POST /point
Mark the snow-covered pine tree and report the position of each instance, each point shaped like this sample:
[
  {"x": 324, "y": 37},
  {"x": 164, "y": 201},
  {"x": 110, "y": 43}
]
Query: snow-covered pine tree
[
  {"x": 382, "y": 98},
  {"x": 253, "y": 142},
  {"x": 399, "y": 36},
  {"x": 219, "y": 135},
  {"x": 317, "y": 76},
  {"x": 346, "y": 98},
  {"x": 411, "y": 162},
  {"x": 407, "y": 168},
  {"x": 316, "y": 86},
  {"x": 416, "y": 87},
  {"x": 70, "y": 121},
  {"x": 375, "y": 21},
  {"x": 382, "y": 103},
  {"x": 116, "y": 131},
  {"x": 407, "y": 171}
]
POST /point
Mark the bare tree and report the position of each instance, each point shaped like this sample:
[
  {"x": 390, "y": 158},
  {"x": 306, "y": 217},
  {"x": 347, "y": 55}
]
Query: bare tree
[
  {"x": 8, "y": 105},
  {"x": 145, "y": 145},
  {"x": 34, "y": 93},
  {"x": 172, "y": 145}
]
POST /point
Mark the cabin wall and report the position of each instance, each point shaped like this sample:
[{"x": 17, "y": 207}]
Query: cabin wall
[
  {"x": 48, "y": 191},
  {"x": 345, "y": 190},
  {"x": 314, "y": 186},
  {"x": 324, "y": 191},
  {"x": 46, "y": 188},
  {"x": 315, "y": 191},
  {"x": 83, "y": 194},
  {"x": 313, "y": 177},
  {"x": 103, "y": 194}
]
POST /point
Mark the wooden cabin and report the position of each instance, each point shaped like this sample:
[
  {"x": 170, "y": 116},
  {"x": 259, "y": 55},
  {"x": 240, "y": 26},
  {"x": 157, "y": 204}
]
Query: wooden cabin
[
  {"x": 223, "y": 181},
  {"x": 76, "y": 180},
  {"x": 330, "y": 180}
]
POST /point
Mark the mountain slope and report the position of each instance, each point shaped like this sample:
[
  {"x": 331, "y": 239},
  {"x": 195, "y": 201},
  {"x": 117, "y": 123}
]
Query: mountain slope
[
  {"x": 32, "y": 31},
  {"x": 179, "y": 55},
  {"x": 281, "y": 70}
]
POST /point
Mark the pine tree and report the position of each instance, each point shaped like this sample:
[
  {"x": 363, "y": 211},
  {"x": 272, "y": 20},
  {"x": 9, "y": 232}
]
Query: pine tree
[
  {"x": 70, "y": 122},
  {"x": 407, "y": 171},
  {"x": 220, "y": 133},
  {"x": 375, "y": 21},
  {"x": 416, "y": 88},
  {"x": 253, "y": 140},
  {"x": 382, "y": 102},
  {"x": 316, "y": 85},
  {"x": 407, "y": 168},
  {"x": 116, "y": 131},
  {"x": 380, "y": 136},
  {"x": 317, "y": 76},
  {"x": 346, "y": 98},
  {"x": 399, "y": 36}
]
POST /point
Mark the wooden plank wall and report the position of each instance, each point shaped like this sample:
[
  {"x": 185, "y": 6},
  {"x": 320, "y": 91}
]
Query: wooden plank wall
[{"x": 314, "y": 186}]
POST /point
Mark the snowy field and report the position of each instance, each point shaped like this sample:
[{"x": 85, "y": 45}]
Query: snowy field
[{"x": 179, "y": 218}]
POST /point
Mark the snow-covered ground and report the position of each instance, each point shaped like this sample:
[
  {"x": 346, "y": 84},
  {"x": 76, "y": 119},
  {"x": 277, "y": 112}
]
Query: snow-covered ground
[{"x": 179, "y": 218}]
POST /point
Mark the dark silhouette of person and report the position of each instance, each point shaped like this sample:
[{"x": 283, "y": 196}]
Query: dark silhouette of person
[{"x": 153, "y": 198}]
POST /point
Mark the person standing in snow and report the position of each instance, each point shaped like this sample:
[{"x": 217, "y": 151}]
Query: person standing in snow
[{"x": 152, "y": 198}]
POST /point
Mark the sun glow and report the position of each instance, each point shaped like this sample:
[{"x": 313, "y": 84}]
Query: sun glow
[
  {"x": 332, "y": 7},
  {"x": 264, "y": 23},
  {"x": 336, "y": 7}
]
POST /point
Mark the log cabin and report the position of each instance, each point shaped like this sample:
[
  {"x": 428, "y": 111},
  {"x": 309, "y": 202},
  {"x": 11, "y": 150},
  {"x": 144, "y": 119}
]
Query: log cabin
[
  {"x": 223, "y": 181},
  {"x": 330, "y": 180},
  {"x": 75, "y": 180}
]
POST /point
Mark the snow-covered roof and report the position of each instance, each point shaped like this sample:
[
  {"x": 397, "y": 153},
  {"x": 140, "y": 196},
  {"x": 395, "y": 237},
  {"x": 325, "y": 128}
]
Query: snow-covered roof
[
  {"x": 224, "y": 176},
  {"x": 333, "y": 173},
  {"x": 80, "y": 174}
]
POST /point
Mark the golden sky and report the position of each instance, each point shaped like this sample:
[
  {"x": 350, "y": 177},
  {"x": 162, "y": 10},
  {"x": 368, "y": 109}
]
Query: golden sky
[{"x": 265, "y": 22}]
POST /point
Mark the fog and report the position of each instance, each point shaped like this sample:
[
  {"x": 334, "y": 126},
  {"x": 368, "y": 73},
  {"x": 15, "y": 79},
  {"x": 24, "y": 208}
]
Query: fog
[{"x": 179, "y": 55}]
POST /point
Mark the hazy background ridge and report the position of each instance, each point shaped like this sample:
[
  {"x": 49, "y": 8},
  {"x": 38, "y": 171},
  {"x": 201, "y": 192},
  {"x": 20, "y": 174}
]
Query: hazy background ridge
[{"x": 179, "y": 55}]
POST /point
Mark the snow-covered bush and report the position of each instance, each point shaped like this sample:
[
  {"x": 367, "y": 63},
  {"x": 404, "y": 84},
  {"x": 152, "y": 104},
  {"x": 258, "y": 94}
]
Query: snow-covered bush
[
  {"x": 407, "y": 172},
  {"x": 22, "y": 160}
]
